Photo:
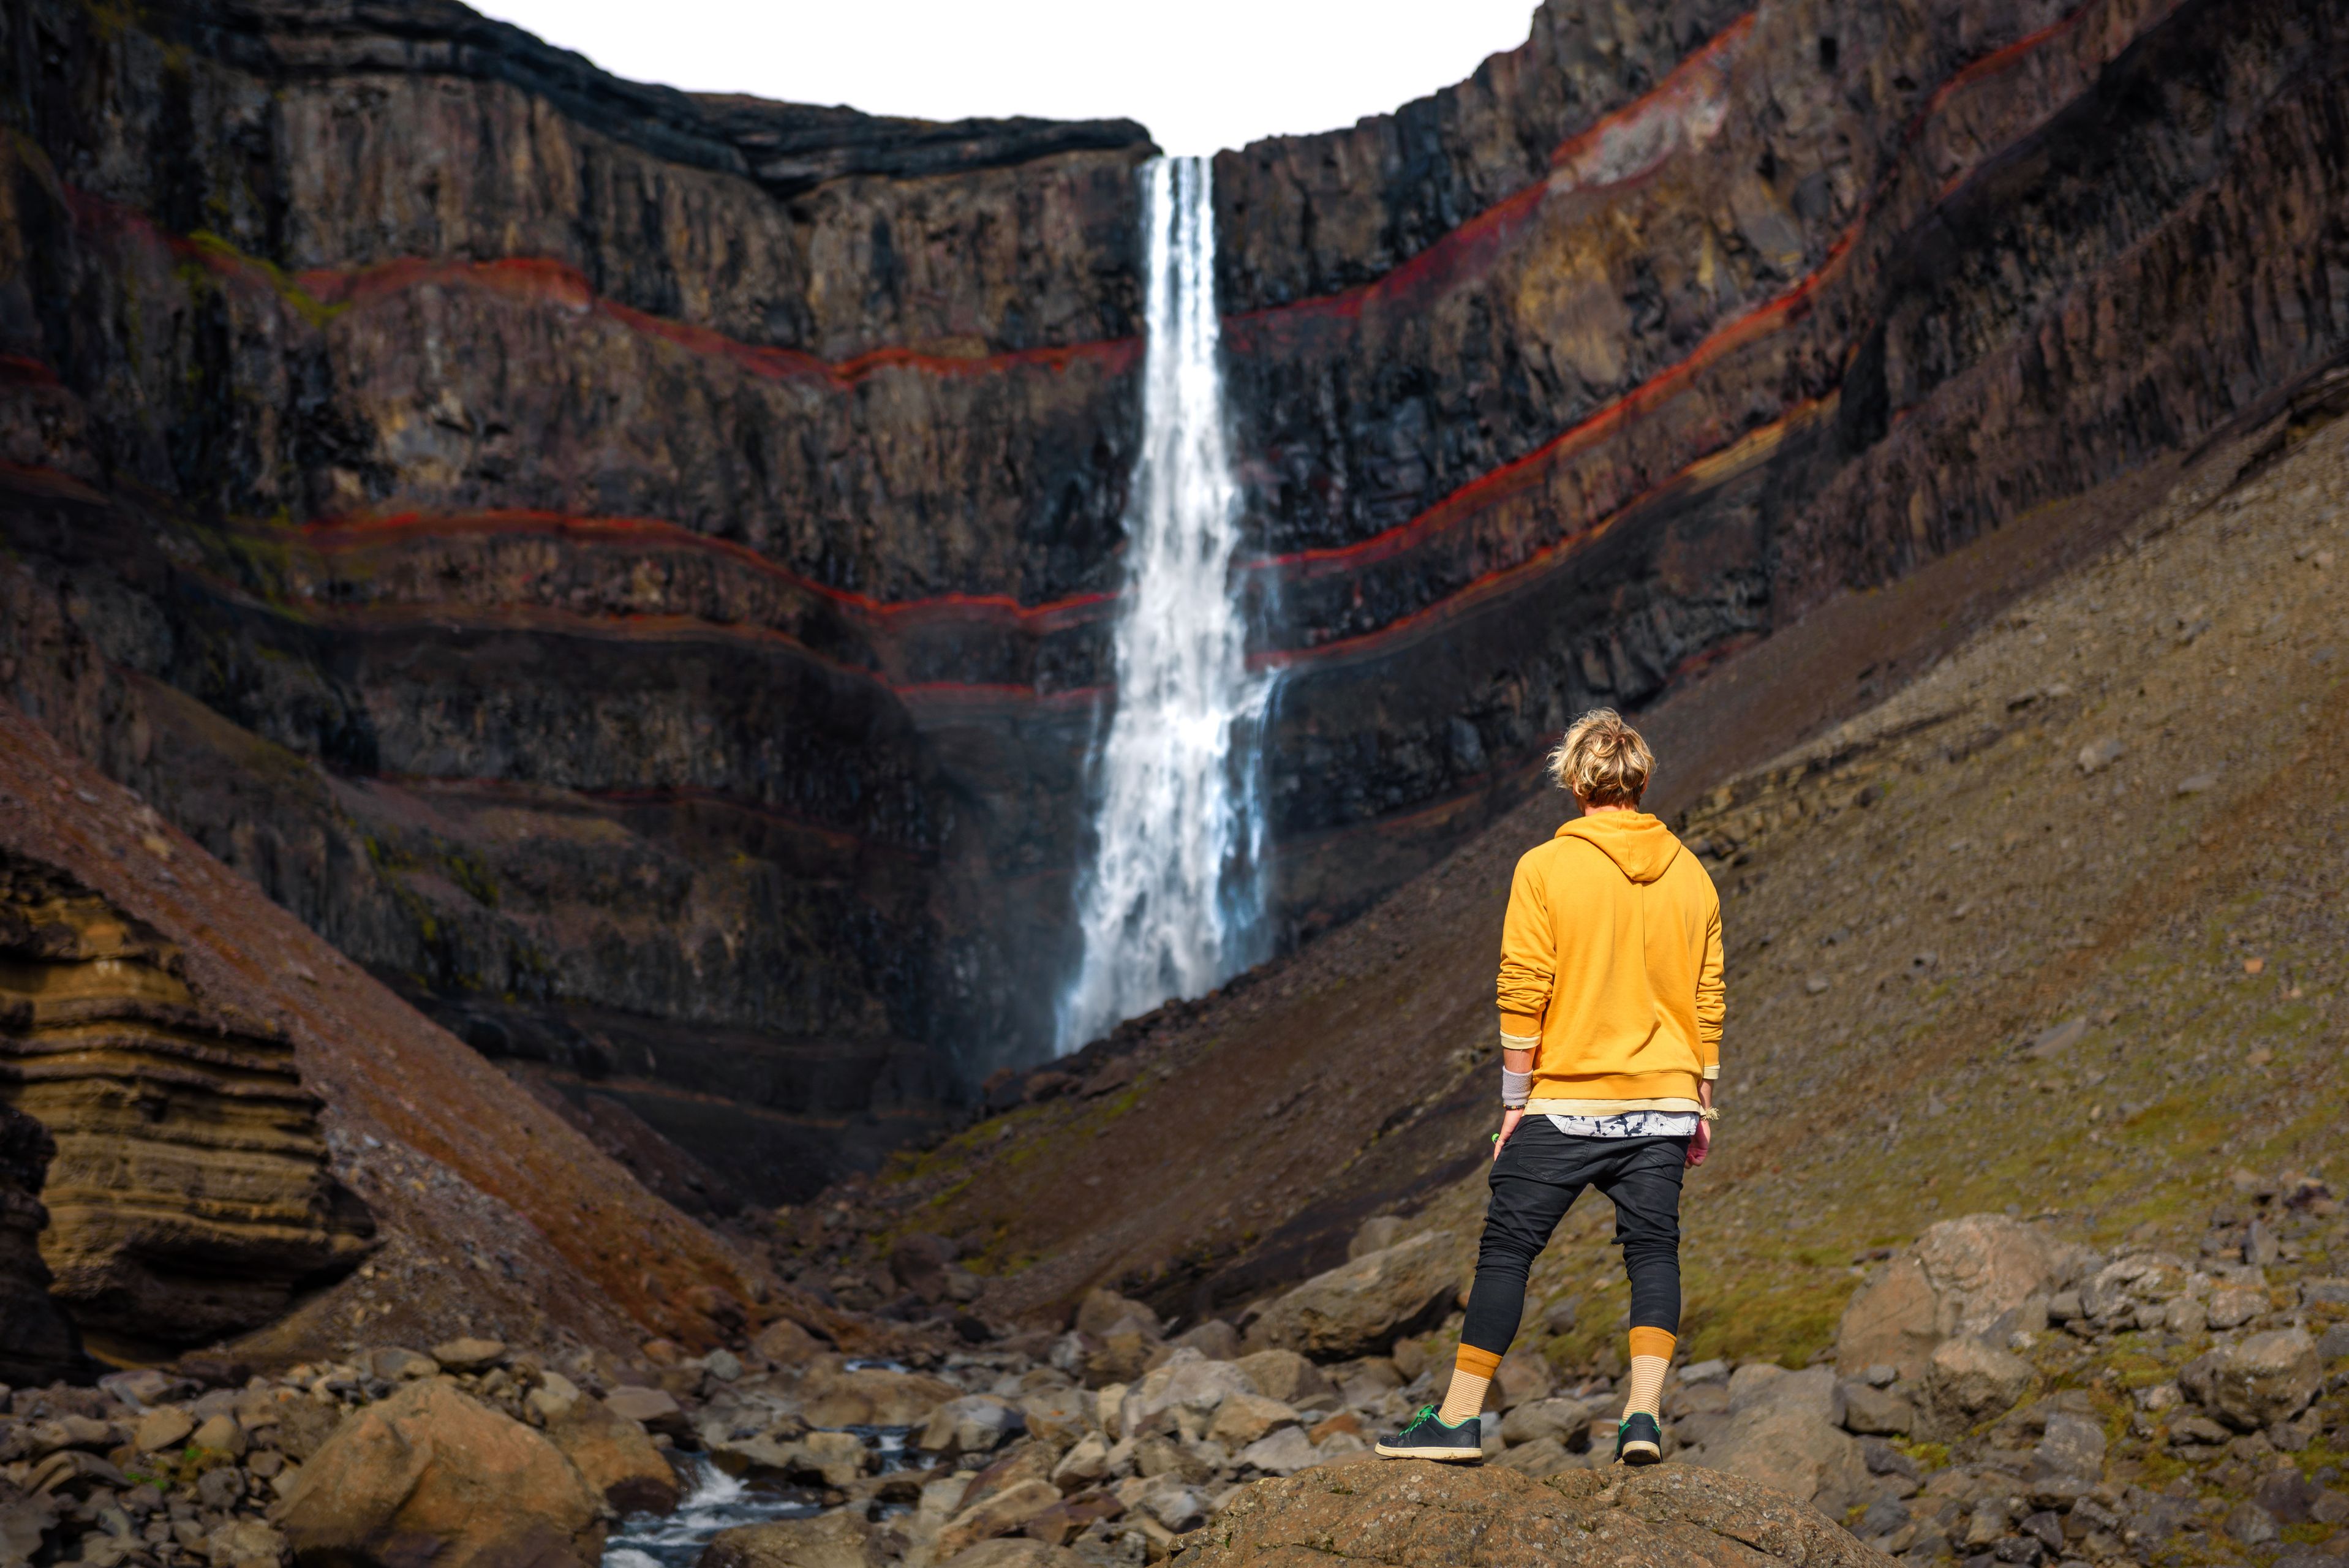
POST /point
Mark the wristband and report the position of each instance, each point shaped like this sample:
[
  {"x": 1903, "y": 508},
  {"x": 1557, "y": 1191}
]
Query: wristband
[{"x": 1516, "y": 1089}]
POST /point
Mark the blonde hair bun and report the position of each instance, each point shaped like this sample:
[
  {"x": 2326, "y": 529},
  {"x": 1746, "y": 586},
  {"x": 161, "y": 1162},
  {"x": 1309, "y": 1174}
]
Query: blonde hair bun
[{"x": 1602, "y": 762}]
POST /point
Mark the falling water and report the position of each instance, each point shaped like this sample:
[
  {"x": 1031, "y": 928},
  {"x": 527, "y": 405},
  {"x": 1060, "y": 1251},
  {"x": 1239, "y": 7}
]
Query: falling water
[{"x": 1170, "y": 902}]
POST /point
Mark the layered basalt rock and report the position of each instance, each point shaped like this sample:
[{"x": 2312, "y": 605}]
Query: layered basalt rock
[
  {"x": 189, "y": 1197},
  {"x": 635, "y": 566},
  {"x": 38, "y": 1341},
  {"x": 1833, "y": 297},
  {"x": 635, "y": 570}
]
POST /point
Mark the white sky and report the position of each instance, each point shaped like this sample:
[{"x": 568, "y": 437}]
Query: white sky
[{"x": 1227, "y": 72}]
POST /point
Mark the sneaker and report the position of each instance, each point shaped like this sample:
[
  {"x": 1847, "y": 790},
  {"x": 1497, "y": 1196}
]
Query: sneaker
[
  {"x": 1429, "y": 1436},
  {"x": 1639, "y": 1440}
]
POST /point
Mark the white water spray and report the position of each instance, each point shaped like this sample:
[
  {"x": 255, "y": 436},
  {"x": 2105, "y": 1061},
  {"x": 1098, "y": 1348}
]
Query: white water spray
[{"x": 1171, "y": 901}]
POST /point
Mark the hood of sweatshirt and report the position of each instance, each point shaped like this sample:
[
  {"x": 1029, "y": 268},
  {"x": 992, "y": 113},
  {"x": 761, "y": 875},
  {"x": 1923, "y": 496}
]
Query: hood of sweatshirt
[{"x": 1641, "y": 847}]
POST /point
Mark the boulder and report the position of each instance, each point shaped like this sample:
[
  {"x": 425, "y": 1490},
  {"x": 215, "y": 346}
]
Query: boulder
[
  {"x": 1364, "y": 1305},
  {"x": 1815, "y": 1391},
  {"x": 2116, "y": 1292},
  {"x": 165, "y": 1427},
  {"x": 1544, "y": 1456},
  {"x": 1243, "y": 1418},
  {"x": 614, "y": 1457},
  {"x": 1023, "y": 1462},
  {"x": 1524, "y": 1376},
  {"x": 2069, "y": 1460},
  {"x": 1187, "y": 1384},
  {"x": 974, "y": 1424},
  {"x": 202, "y": 1199},
  {"x": 1083, "y": 1464},
  {"x": 1413, "y": 1511},
  {"x": 1539, "y": 1418},
  {"x": 2233, "y": 1305},
  {"x": 840, "y": 1539},
  {"x": 786, "y": 1344},
  {"x": 1119, "y": 1357},
  {"x": 656, "y": 1409},
  {"x": 1103, "y": 1311},
  {"x": 999, "y": 1513},
  {"x": 831, "y": 1396},
  {"x": 1877, "y": 1412},
  {"x": 398, "y": 1363},
  {"x": 1285, "y": 1375},
  {"x": 2260, "y": 1379},
  {"x": 429, "y": 1474},
  {"x": 1968, "y": 1382},
  {"x": 1059, "y": 1415},
  {"x": 469, "y": 1353},
  {"x": 1284, "y": 1452},
  {"x": 1961, "y": 1277},
  {"x": 1782, "y": 1433}
]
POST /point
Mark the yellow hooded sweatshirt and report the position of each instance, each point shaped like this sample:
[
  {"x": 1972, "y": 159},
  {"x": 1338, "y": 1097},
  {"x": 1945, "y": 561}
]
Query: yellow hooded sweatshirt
[{"x": 1611, "y": 954}]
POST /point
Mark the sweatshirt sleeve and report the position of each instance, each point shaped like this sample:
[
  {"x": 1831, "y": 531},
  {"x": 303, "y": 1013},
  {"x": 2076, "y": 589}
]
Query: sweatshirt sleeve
[
  {"x": 1712, "y": 1001},
  {"x": 1528, "y": 954}
]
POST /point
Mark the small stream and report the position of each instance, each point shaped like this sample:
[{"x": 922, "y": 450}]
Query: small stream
[{"x": 715, "y": 1501}]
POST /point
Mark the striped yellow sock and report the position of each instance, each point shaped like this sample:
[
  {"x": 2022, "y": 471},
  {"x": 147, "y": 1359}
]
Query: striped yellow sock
[
  {"x": 1652, "y": 1352},
  {"x": 1472, "y": 1374}
]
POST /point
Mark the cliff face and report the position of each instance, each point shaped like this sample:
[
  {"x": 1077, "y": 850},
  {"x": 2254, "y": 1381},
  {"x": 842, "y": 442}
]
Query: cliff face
[
  {"x": 628, "y": 568},
  {"x": 634, "y": 570},
  {"x": 1822, "y": 293}
]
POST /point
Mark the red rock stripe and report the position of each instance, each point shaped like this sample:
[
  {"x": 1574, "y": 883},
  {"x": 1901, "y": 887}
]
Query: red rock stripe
[
  {"x": 547, "y": 278},
  {"x": 1513, "y": 477},
  {"x": 1484, "y": 491},
  {"x": 23, "y": 368},
  {"x": 1502, "y": 580}
]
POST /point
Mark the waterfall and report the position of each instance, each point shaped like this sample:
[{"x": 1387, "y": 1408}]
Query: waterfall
[{"x": 1170, "y": 901}]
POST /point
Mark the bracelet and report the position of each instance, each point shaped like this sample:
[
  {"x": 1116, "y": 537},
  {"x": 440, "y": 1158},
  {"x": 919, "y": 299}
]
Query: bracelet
[{"x": 1706, "y": 1113}]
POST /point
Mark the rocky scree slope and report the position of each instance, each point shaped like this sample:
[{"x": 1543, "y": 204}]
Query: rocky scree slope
[
  {"x": 2053, "y": 928},
  {"x": 1875, "y": 970},
  {"x": 634, "y": 571}
]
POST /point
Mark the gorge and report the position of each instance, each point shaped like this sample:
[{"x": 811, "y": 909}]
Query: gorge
[{"x": 639, "y": 573}]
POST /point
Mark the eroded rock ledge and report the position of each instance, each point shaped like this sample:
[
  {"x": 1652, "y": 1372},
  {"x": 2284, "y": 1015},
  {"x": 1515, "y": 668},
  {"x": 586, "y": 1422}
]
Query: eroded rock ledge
[{"x": 189, "y": 1194}]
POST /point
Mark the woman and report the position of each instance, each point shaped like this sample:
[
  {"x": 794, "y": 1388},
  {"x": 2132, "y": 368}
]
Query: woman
[{"x": 1611, "y": 997}]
